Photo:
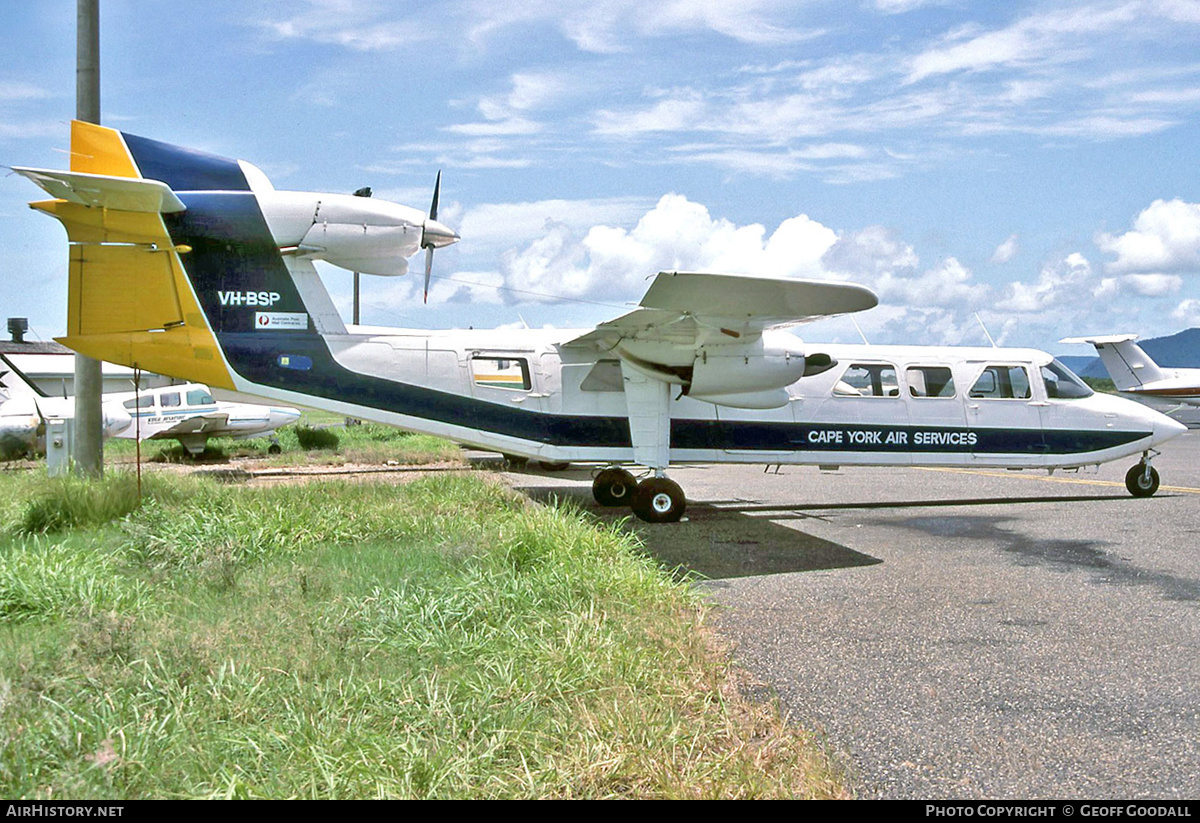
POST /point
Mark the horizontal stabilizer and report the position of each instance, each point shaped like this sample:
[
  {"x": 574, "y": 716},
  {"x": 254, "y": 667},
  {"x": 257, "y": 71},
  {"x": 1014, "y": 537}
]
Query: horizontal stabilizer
[
  {"x": 104, "y": 191},
  {"x": 1101, "y": 339}
]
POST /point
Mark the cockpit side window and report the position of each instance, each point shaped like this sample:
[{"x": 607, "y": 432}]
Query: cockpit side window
[
  {"x": 199, "y": 397},
  {"x": 868, "y": 380},
  {"x": 930, "y": 381},
  {"x": 143, "y": 402},
  {"x": 1062, "y": 383},
  {"x": 1002, "y": 383}
]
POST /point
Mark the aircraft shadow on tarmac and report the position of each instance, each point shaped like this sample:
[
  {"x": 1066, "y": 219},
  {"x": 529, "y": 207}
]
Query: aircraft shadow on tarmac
[
  {"x": 715, "y": 542},
  {"x": 728, "y": 539}
]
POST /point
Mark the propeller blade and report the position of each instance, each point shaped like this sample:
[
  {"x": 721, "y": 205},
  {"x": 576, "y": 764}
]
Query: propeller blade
[
  {"x": 428, "y": 270},
  {"x": 433, "y": 234},
  {"x": 437, "y": 190}
]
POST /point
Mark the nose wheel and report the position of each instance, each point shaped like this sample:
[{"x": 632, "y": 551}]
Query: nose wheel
[
  {"x": 654, "y": 499},
  {"x": 1142, "y": 480}
]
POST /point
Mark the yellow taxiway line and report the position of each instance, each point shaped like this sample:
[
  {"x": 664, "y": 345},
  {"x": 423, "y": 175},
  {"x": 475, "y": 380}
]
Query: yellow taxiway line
[{"x": 1051, "y": 478}]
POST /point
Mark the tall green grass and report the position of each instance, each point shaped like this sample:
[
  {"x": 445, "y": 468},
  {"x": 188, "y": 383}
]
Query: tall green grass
[
  {"x": 443, "y": 638},
  {"x": 322, "y": 439}
]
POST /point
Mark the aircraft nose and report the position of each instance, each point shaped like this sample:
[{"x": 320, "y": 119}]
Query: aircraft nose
[
  {"x": 284, "y": 417},
  {"x": 116, "y": 422},
  {"x": 1166, "y": 428}
]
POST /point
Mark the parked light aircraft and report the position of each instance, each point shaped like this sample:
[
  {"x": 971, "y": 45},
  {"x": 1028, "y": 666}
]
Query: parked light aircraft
[
  {"x": 699, "y": 372},
  {"x": 1137, "y": 376},
  {"x": 20, "y": 424},
  {"x": 187, "y": 413},
  {"x": 26, "y": 408}
]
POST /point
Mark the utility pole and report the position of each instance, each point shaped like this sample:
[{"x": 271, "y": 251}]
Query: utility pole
[{"x": 89, "y": 420}]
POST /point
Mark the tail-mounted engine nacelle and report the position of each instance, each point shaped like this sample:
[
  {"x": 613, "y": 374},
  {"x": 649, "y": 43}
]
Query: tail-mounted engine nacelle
[{"x": 355, "y": 233}]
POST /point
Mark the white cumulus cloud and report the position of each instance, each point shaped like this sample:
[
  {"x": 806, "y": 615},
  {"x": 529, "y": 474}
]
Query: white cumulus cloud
[
  {"x": 611, "y": 262},
  {"x": 1165, "y": 238},
  {"x": 1006, "y": 251}
]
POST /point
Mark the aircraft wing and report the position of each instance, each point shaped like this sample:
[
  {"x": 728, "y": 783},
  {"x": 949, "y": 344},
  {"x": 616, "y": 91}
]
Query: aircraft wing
[
  {"x": 692, "y": 308},
  {"x": 119, "y": 193},
  {"x": 197, "y": 424}
]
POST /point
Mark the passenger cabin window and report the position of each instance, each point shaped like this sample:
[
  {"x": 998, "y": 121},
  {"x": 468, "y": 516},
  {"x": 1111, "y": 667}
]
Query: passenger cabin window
[
  {"x": 169, "y": 400},
  {"x": 1062, "y": 383},
  {"x": 1002, "y": 383},
  {"x": 199, "y": 397},
  {"x": 930, "y": 381},
  {"x": 868, "y": 380},
  {"x": 501, "y": 372},
  {"x": 143, "y": 402}
]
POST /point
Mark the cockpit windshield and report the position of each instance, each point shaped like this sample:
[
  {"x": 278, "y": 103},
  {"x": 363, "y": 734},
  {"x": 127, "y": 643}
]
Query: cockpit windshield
[{"x": 1062, "y": 384}]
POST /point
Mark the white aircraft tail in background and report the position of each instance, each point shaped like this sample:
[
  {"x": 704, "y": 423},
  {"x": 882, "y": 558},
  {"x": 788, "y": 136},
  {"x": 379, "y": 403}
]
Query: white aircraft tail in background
[{"x": 1137, "y": 376}]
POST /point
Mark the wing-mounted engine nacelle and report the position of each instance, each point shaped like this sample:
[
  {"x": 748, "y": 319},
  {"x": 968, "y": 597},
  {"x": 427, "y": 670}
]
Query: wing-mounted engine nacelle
[
  {"x": 750, "y": 375},
  {"x": 356, "y": 233}
]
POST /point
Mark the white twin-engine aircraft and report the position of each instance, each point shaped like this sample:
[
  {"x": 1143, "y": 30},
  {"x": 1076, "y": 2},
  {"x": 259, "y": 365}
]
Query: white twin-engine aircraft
[
  {"x": 187, "y": 413},
  {"x": 193, "y": 265}
]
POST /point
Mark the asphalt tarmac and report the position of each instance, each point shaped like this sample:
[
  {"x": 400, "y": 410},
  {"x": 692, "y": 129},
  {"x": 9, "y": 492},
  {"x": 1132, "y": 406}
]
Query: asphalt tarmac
[{"x": 959, "y": 634}]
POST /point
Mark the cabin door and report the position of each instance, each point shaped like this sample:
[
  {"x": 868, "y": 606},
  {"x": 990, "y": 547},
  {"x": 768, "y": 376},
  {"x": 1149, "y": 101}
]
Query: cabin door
[
  {"x": 938, "y": 432},
  {"x": 1005, "y": 417}
]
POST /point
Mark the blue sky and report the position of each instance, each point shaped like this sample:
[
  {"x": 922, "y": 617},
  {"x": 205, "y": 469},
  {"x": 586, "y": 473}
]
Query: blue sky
[{"x": 1032, "y": 162}]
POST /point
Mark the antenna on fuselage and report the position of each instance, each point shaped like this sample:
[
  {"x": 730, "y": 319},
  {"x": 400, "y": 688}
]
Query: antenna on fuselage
[
  {"x": 985, "y": 331},
  {"x": 866, "y": 342}
]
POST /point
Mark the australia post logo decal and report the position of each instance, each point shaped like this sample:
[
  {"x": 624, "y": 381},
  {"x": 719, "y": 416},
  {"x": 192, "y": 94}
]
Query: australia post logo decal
[
  {"x": 272, "y": 320},
  {"x": 249, "y": 298}
]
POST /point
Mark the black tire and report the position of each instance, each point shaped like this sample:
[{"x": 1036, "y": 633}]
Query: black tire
[
  {"x": 1138, "y": 484},
  {"x": 274, "y": 448},
  {"x": 614, "y": 487},
  {"x": 659, "y": 500}
]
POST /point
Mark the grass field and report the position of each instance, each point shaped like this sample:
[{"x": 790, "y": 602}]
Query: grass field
[{"x": 441, "y": 638}]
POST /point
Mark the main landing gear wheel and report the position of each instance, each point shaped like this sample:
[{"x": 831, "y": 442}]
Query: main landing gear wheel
[
  {"x": 614, "y": 487},
  {"x": 1141, "y": 480},
  {"x": 659, "y": 500}
]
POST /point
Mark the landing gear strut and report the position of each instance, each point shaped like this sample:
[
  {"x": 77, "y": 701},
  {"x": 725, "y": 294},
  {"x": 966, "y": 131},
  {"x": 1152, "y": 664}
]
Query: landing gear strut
[{"x": 654, "y": 499}]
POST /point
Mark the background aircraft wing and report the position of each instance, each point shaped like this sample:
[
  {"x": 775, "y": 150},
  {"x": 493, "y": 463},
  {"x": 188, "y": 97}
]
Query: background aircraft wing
[
  {"x": 693, "y": 308},
  {"x": 119, "y": 193},
  {"x": 197, "y": 424}
]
